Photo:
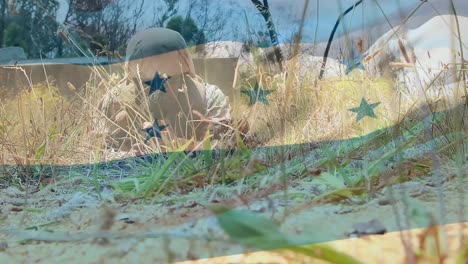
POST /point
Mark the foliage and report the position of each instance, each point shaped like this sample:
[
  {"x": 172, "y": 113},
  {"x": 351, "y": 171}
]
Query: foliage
[
  {"x": 188, "y": 29},
  {"x": 108, "y": 31},
  {"x": 32, "y": 28},
  {"x": 104, "y": 31},
  {"x": 13, "y": 36},
  {"x": 168, "y": 10},
  {"x": 258, "y": 232}
]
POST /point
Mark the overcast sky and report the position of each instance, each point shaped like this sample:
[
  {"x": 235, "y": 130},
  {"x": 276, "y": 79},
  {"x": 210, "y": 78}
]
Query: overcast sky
[{"x": 287, "y": 15}]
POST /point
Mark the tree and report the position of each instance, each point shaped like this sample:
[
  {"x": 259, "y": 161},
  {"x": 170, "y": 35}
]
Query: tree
[
  {"x": 91, "y": 5},
  {"x": 33, "y": 25},
  {"x": 3, "y": 13},
  {"x": 13, "y": 36},
  {"x": 95, "y": 24},
  {"x": 188, "y": 29},
  {"x": 176, "y": 23},
  {"x": 107, "y": 30},
  {"x": 99, "y": 44},
  {"x": 211, "y": 17},
  {"x": 166, "y": 11}
]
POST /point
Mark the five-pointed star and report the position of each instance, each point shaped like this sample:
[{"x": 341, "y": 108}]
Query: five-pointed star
[
  {"x": 154, "y": 131},
  {"x": 352, "y": 64},
  {"x": 365, "y": 109},
  {"x": 157, "y": 83},
  {"x": 257, "y": 94}
]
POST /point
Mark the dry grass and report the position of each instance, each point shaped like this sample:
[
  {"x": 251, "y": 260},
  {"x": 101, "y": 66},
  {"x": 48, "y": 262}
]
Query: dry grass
[{"x": 40, "y": 126}]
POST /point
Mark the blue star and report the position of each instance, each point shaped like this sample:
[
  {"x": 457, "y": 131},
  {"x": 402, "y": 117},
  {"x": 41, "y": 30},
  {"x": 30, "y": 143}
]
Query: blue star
[
  {"x": 157, "y": 83},
  {"x": 257, "y": 94},
  {"x": 365, "y": 110},
  {"x": 351, "y": 64},
  {"x": 154, "y": 131}
]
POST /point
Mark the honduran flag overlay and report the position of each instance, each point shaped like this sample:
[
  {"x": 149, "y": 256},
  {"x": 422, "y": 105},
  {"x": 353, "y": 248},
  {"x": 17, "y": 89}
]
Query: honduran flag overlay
[{"x": 332, "y": 133}]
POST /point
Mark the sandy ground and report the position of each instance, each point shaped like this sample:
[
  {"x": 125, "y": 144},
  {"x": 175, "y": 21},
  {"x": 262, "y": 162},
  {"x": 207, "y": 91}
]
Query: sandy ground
[
  {"x": 371, "y": 249},
  {"x": 64, "y": 225}
]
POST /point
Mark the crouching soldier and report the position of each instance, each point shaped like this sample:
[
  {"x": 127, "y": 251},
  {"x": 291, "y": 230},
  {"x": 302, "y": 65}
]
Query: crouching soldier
[{"x": 179, "y": 103}]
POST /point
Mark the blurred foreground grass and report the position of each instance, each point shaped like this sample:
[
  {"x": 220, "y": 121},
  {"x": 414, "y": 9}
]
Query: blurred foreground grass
[{"x": 305, "y": 134}]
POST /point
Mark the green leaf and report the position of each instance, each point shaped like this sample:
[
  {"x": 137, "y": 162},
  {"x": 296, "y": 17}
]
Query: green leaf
[
  {"x": 331, "y": 180},
  {"x": 326, "y": 253},
  {"x": 155, "y": 181},
  {"x": 257, "y": 232},
  {"x": 53, "y": 132},
  {"x": 40, "y": 151},
  {"x": 250, "y": 229}
]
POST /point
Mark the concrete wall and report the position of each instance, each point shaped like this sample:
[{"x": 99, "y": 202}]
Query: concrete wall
[
  {"x": 217, "y": 71},
  {"x": 11, "y": 53}
]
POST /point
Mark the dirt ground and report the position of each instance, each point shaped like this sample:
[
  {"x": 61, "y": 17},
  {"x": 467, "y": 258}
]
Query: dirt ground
[
  {"x": 66, "y": 224},
  {"x": 371, "y": 249}
]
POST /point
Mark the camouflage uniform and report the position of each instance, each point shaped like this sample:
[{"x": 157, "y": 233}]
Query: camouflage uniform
[{"x": 187, "y": 106}]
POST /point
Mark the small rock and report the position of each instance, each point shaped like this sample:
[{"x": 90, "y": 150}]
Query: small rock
[
  {"x": 126, "y": 219},
  {"x": 368, "y": 228},
  {"x": 129, "y": 221},
  {"x": 191, "y": 204},
  {"x": 16, "y": 209},
  {"x": 314, "y": 171},
  {"x": 344, "y": 211},
  {"x": 384, "y": 201},
  {"x": 417, "y": 193},
  {"x": 122, "y": 217}
]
